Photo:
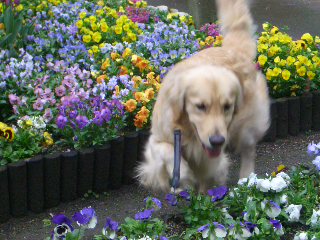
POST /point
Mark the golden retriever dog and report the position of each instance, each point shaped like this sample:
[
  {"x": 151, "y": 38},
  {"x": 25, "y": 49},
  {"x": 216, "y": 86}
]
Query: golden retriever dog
[{"x": 216, "y": 98}]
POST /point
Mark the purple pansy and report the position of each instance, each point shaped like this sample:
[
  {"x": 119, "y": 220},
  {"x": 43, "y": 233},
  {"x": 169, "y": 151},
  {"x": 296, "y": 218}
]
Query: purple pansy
[
  {"x": 110, "y": 229},
  {"x": 86, "y": 217},
  {"x": 144, "y": 215},
  {"x": 185, "y": 195},
  {"x": 82, "y": 121},
  {"x": 154, "y": 202},
  {"x": 171, "y": 199},
  {"x": 218, "y": 193},
  {"x": 61, "y": 121}
]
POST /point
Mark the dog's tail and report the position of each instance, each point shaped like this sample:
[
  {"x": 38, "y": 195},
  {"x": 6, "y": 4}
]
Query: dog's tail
[{"x": 237, "y": 26}]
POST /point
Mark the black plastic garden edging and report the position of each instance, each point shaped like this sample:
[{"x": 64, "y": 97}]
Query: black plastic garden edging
[
  {"x": 294, "y": 115},
  {"x": 101, "y": 168},
  {"x": 85, "y": 171},
  {"x": 69, "y": 176},
  {"x": 131, "y": 148},
  {"x": 305, "y": 112},
  {"x": 116, "y": 163},
  {"x": 35, "y": 182}
]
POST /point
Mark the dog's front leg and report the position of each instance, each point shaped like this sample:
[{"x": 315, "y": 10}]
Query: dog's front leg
[
  {"x": 156, "y": 172},
  {"x": 248, "y": 155}
]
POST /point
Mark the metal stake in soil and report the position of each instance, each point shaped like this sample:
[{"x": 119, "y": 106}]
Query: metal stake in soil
[{"x": 177, "y": 157}]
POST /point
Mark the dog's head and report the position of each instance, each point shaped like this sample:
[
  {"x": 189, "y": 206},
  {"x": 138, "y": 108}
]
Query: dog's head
[{"x": 207, "y": 98}]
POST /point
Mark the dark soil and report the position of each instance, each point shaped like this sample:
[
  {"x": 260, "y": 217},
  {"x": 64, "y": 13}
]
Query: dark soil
[{"x": 128, "y": 200}]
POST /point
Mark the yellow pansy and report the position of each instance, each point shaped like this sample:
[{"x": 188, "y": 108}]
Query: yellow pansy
[
  {"x": 1, "y": 26},
  {"x": 274, "y": 30},
  {"x": 94, "y": 26},
  {"x": 118, "y": 30},
  {"x": 262, "y": 59},
  {"x": 100, "y": 3},
  {"x": 286, "y": 74},
  {"x": 137, "y": 81},
  {"x": 277, "y": 59},
  {"x": 302, "y": 59},
  {"x": 307, "y": 37},
  {"x": 311, "y": 75},
  {"x": 95, "y": 49},
  {"x": 262, "y": 48},
  {"x": 126, "y": 53},
  {"x": 132, "y": 36},
  {"x": 96, "y": 37},
  {"x": 269, "y": 74},
  {"x": 263, "y": 39},
  {"x": 79, "y": 24},
  {"x": 266, "y": 26},
  {"x": 290, "y": 60},
  {"x": 273, "y": 50},
  {"x": 19, "y": 8},
  {"x": 302, "y": 71},
  {"x": 92, "y": 19},
  {"x": 104, "y": 27},
  {"x": 82, "y": 15},
  {"x": 99, "y": 12},
  {"x": 86, "y": 38},
  {"x": 48, "y": 139},
  {"x": 282, "y": 63},
  {"x": 183, "y": 18},
  {"x": 276, "y": 71}
]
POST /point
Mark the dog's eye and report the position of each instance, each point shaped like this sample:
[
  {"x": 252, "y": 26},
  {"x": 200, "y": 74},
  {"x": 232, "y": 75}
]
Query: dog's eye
[
  {"x": 201, "y": 107},
  {"x": 226, "y": 107}
]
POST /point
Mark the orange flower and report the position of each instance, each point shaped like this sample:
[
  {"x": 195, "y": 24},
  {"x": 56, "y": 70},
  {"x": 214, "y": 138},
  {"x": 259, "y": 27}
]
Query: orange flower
[
  {"x": 144, "y": 112},
  {"x": 149, "y": 93},
  {"x": 139, "y": 96},
  {"x": 142, "y": 65},
  {"x": 114, "y": 56},
  {"x": 151, "y": 79},
  {"x": 123, "y": 70},
  {"x": 138, "y": 122},
  {"x": 126, "y": 53},
  {"x": 101, "y": 78},
  {"x": 105, "y": 64},
  {"x": 117, "y": 91},
  {"x": 137, "y": 81},
  {"x": 131, "y": 105}
]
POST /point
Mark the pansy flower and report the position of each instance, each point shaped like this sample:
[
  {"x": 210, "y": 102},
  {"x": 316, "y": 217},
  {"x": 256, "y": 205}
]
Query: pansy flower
[
  {"x": 86, "y": 218},
  {"x": 110, "y": 229},
  {"x": 218, "y": 193}
]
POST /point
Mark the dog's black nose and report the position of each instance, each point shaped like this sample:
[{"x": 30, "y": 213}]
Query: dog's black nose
[{"x": 216, "y": 140}]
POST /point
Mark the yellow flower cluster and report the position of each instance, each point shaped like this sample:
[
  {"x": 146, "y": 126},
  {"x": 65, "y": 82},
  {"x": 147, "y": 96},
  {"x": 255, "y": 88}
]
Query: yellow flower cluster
[
  {"x": 139, "y": 4},
  {"x": 288, "y": 64},
  {"x": 48, "y": 141},
  {"x": 6, "y": 132},
  {"x": 107, "y": 26},
  {"x": 211, "y": 42}
]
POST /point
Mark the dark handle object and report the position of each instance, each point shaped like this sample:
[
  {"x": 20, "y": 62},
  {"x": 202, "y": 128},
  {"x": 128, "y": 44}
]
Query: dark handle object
[{"x": 177, "y": 157}]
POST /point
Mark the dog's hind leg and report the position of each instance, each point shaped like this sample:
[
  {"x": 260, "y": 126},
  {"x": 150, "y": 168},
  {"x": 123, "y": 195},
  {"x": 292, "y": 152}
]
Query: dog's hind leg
[{"x": 157, "y": 169}]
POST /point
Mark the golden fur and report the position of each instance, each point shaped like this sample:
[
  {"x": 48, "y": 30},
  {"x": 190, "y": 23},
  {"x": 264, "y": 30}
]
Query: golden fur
[{"x": 218, "y": 91}]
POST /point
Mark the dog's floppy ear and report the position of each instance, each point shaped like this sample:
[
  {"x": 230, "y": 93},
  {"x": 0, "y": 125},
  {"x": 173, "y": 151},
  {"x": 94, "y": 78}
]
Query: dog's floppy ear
[{"x": 172, "y": 97}]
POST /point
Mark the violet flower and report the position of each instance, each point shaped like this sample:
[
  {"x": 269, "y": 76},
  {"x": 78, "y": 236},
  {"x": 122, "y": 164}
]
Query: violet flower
[
  {"x": 144, "y": 215},
  {"x": 61, "y": 121},
  {"x": 64, "y": 226},
  {"x": 218, "y": 193},
  {"x": 110, "y": 229},
  {"x": 86, "y": 218},
  {"x": 171, "y": 199},
  {"x": 185, "y": 195}
]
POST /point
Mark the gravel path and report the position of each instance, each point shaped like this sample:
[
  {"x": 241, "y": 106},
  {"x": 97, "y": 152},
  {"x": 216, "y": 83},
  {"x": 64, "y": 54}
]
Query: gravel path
[{"x": 129, "y": 199}]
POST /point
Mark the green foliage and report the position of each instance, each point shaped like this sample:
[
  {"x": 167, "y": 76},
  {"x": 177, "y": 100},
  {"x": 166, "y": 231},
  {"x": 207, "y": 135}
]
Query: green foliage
[
  {"x": 25, "y": 145},
  {"x": 16, "y": 30},
  {"x": 133, "y": 229}
]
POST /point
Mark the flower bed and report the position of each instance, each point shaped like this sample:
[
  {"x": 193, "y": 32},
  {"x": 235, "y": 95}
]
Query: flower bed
[
  {"x": 284, "y": 205},
  {"x": 85, "y": 74}
]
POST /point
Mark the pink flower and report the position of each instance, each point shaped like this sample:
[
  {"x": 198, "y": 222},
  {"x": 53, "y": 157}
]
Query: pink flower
[
  {"x": 60, "y": 91},
  {"x": 14, "y": 99},
  {"x": 38, "y": 105}
]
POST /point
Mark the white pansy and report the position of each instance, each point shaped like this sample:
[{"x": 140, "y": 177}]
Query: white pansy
[
  {"x": 284, "y": 176},
  {"x": 294, "y": 212},
  {"x": 263, "y": 185},
  {"x": 252, "y": 179},
  {"x": 145, "y": 238},
  {"x": 242, "y": 181},
  {"x": 226, "y": 214},
  {"x": 273, "y": 210},
  {"x": 278, "y": 184},
  {"x": 284, "y": 199},
  {"x": 315, "y": 218},
  {"x": 301, "y": 236}
]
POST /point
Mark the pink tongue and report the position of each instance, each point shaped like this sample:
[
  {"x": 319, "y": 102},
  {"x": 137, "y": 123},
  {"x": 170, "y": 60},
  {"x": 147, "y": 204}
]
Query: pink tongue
[{"x": 213, "y": 152}]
